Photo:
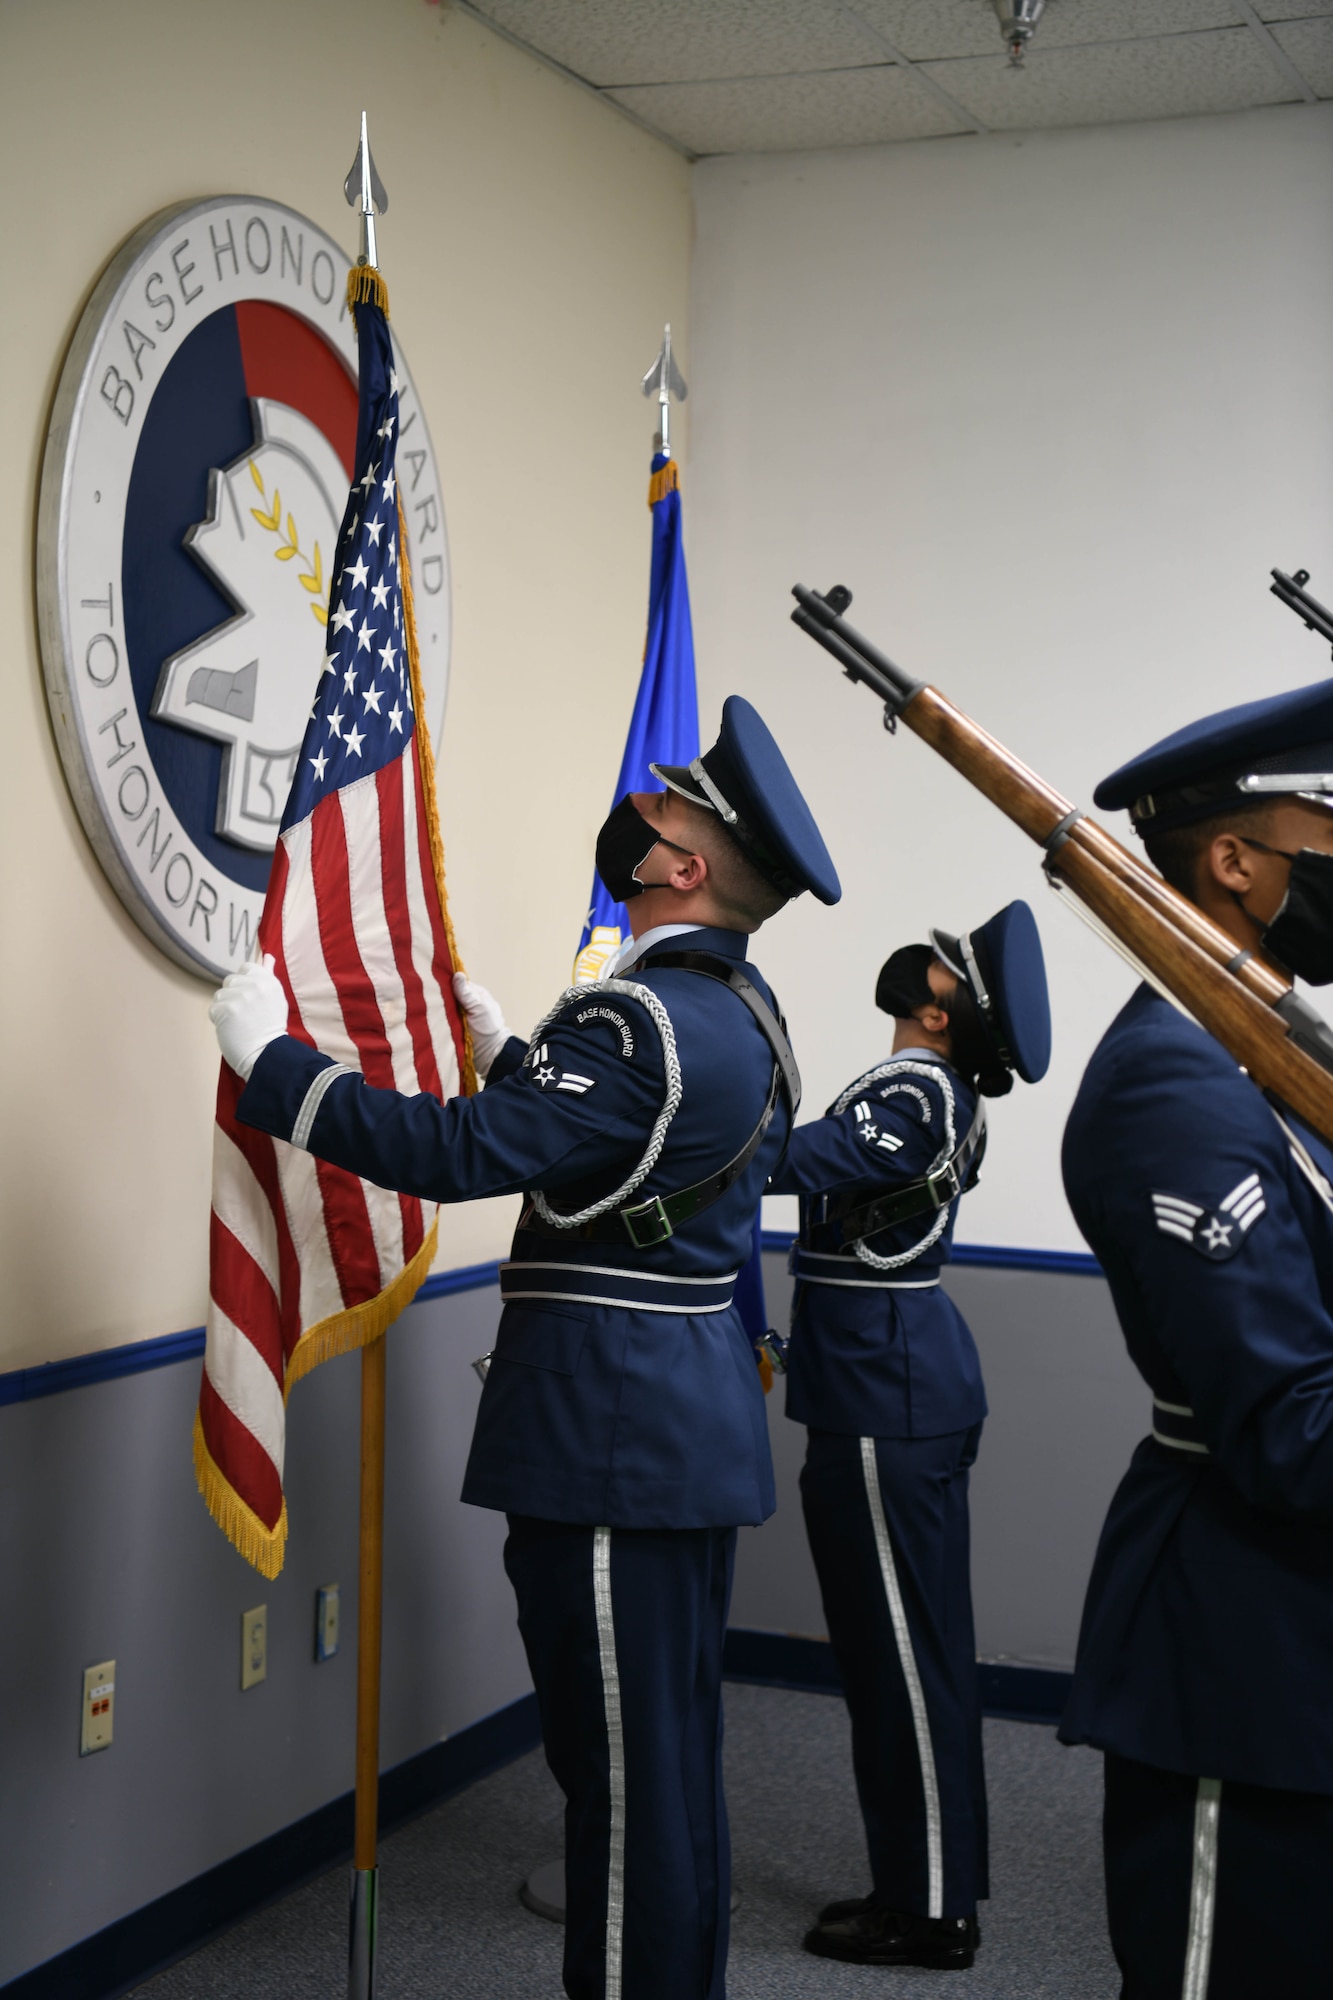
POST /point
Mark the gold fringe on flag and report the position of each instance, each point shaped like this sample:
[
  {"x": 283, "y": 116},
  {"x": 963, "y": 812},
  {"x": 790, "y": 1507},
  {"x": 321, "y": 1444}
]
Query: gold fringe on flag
[
  {"x": 263, "y": 1548},
  {"x": 341, "y": 1333},
  {"x": 426, "y": 758},
  {"x": 366, "y": 287},
  {"x": 356, "y": 1326},
  {"x": 667, "y": 480}
]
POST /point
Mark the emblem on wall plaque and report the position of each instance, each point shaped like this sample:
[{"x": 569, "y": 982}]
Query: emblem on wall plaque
[{"x": 196, "y": 472}]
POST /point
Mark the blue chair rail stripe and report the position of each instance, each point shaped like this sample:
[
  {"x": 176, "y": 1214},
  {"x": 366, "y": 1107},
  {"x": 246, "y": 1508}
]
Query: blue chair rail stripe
[
  {"x": 136, "y": 1357},
  {"x": 22, "y": 1385}
]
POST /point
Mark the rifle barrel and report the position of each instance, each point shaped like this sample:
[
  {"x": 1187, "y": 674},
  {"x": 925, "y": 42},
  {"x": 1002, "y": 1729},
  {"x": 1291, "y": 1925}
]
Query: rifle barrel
[{"x": 1239, "y": 999}]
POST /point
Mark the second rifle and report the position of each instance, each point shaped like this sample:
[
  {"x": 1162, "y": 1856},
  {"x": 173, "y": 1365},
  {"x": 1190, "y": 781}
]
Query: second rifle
[{"x": 1273, "y": 1033}]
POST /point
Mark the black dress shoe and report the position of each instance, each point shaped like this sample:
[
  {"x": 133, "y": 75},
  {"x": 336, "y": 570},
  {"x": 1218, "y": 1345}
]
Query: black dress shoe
[
  {"x": 870, "y": 1935},
  {"x": 850, "y": 1906}
]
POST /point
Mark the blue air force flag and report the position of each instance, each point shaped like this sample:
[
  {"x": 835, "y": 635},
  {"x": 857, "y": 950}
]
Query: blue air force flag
[{"x": 664, "y": 728}]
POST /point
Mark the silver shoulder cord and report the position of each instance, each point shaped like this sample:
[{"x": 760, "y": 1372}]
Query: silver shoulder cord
[
  {"x": 1304, "y": 1160},
  {"x": 904, "y": 1066},
  {"x": 648, "y": 1000}
]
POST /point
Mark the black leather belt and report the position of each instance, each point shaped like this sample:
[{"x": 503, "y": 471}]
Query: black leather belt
[{"x": 920, "y": 1197}]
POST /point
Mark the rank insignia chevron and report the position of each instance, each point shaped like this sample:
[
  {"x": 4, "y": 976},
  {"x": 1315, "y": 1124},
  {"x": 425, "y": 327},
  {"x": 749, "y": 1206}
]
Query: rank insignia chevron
[{"x": 1215, "y": 1233}]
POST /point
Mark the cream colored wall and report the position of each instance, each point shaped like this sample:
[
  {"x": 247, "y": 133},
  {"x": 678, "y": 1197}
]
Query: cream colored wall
[
  {"x": 535, "y": 244},
  {"x": 1051, "y": 405}
]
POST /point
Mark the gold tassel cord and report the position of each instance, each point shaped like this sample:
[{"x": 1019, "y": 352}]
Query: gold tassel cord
[
  {"x": 262, "y": 1547},
  {"x": 665, "y": 481},
  {"x": 426, "y": 760},
  {"x": 366, "y": 287}
]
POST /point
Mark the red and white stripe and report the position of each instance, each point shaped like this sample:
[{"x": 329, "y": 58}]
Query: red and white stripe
[{"x": 354, "y": 919}]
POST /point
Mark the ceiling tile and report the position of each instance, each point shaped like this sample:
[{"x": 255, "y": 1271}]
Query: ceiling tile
[
  {"x": 675, "y": 41},
  {"x": 923, "y": 29},
  {"x": 859, "y": 107},
  {"x": 1291, "y": 10},
  {"x": 1310, "y": 46},
  {"x": 1172, "y": 76}
]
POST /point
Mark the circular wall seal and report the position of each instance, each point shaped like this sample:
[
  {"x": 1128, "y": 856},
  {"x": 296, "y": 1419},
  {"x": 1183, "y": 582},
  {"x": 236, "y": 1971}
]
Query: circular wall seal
[{"x": 196, "y": 472}]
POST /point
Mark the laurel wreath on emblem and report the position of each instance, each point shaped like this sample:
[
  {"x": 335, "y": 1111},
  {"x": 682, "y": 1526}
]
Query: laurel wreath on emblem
[{"x": 311, "y": 579}]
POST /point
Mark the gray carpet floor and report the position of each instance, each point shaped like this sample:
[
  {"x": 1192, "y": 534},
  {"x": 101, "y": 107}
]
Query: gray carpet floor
[{"x": 452, "y": 1927}]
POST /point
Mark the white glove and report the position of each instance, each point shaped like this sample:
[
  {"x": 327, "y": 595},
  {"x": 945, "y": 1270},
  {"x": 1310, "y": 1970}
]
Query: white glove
[
  {"x": 485, "y": 1020},
  {"x": 249, "y": 1011}
]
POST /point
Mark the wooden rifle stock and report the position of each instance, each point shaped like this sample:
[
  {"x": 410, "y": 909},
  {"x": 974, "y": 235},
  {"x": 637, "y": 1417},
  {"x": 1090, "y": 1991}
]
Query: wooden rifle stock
[{"x": 1241, "y": 1001}]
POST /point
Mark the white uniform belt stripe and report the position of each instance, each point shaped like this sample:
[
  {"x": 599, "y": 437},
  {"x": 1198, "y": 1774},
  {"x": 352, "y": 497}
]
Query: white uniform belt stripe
[
  {"x": 608, "y": 1285},
  {"x": 1176, "y": 1426}
]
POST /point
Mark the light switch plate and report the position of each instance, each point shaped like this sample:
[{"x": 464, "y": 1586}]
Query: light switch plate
[
  {"x": 99, "y": 1707},
  {"x": 254, "y": 1646},
  {"x": 327, "y": 1606}
]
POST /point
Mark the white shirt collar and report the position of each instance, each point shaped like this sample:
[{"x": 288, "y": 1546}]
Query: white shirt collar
[{"x": 634, "y": 947}]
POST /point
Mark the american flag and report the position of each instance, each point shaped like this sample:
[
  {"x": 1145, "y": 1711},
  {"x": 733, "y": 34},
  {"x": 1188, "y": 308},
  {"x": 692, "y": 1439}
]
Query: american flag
[{"x": 307, "y": 1261}]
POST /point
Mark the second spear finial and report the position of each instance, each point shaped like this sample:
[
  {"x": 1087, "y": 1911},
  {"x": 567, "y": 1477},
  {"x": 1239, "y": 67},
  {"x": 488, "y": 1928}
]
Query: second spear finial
[
  {"x": 666, "y": 378},
  {"x": 365, "y": 193}
]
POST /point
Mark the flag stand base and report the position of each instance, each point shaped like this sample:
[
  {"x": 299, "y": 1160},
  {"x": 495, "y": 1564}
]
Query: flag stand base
[
  {"x": 363, "y": 1929},
  {"x": 544, "y": 1892}
]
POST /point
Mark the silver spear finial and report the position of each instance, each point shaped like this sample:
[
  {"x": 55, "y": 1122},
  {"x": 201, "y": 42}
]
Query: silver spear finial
[
  {"x": 666, "y": 378},
  {"x": 365, "y": 192}
]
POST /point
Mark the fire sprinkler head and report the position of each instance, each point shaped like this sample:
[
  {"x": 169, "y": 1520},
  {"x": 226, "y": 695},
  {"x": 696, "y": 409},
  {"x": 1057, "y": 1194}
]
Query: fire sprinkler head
[{"x": 1018, "y": 20}]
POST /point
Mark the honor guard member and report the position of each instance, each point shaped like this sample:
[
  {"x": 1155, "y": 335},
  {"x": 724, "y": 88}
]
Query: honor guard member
[
  {"x": 1205, "y": 1660},
  {"x": 883, "y": 1370},
  {"x": 622, "y": 1425}
]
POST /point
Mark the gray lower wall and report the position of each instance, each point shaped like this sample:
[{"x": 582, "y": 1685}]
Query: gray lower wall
[
  {"x": 106, "y": 1552},
  {"x": 1066, "y": 1410}
]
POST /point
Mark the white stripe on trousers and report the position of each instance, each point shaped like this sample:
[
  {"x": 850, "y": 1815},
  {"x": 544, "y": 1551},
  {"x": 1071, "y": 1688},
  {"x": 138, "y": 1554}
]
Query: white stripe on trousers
[
  {"x": 1203, "y": 1890},
  {"x": 915, "y": 1694},
  {"x": 615, "y": 1744}
]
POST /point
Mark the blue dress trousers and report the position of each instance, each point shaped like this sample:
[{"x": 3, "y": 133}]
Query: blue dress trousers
[{"x": 884, "y": 1373}]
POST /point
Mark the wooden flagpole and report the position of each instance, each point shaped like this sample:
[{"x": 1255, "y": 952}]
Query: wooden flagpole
[
  {"x": 365, "y": 1869},
  {"x": 365, "y": 192}
]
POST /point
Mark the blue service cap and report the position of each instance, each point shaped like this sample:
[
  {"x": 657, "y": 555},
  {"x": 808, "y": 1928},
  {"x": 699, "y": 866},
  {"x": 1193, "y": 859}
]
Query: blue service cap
[
  {"x": 745, "y": 780},
  {"x": 1283, "y": 744},
  {"x": 1004, "y": 969}
]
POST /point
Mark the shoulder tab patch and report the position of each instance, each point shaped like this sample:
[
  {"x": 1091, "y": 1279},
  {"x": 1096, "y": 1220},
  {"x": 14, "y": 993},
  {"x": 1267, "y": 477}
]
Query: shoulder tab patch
[
  {"x": 1218, "y": 1233},
  {"x": 899, "y": 1087},
  {"x": 598, "y": 1010},
  {"x": 867, "y": 1129},
  {"x": 548, "y": 1075}
]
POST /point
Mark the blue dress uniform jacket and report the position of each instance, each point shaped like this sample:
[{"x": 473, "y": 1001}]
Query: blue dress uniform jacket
[
  {"x": 864, "y": 1360},
  {"x": 611, "y": 1414},
  {"x": 1207, "y": 1638}
]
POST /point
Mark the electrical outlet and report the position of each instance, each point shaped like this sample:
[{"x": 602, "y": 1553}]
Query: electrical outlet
[
  {"x": 254, "y": 1646},
  {"x": 326, "y": 1621},
  {"x": 99, "y": 1695}
]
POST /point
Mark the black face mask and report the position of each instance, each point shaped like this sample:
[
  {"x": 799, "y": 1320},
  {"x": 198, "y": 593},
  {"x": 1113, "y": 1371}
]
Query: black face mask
[
  {"x": 1301, "y": 933},
  {"x": 623, "y": 845},
  {"x": 904, "y": 983}
]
